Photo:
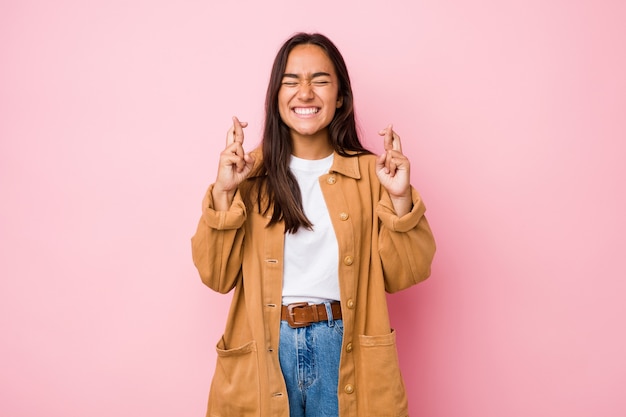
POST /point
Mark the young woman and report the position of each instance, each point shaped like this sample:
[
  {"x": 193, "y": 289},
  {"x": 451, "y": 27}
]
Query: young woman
[{"x": 310, "y": 230}]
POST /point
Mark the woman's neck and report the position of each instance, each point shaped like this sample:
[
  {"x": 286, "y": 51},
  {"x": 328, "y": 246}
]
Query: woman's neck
[{"x": 311, "y": 147}]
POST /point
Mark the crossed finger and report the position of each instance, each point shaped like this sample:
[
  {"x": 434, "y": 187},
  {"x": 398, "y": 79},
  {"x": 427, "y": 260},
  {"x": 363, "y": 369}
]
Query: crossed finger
[
  {"x": 391, "y": 139},
  {"x": 235, "y": 133},
  {"x": 392, "y": 145}
]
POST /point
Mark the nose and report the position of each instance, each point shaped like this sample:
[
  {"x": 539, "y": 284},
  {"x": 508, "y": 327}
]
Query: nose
[{"x": 305, "y": 91}]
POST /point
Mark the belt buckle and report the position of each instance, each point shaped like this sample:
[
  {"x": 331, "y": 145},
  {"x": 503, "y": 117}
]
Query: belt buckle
[{"x": 290, "y": 315}]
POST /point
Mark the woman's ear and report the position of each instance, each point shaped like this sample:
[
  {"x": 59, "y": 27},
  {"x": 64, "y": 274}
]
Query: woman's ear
[{"x": 339, "y": 102}]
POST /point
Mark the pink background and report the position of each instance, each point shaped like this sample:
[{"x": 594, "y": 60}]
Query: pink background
[{"x": 112, "y": 115}]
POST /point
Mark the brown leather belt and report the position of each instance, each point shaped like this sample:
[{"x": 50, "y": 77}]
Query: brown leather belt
[{"x": 303, "y": 314}]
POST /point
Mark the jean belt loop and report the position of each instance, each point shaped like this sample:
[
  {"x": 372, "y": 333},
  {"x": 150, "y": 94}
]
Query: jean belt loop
[{"x": 329, "y": 313}]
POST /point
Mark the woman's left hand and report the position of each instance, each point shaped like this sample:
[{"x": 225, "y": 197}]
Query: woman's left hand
[{"x": 394, "y": 171}]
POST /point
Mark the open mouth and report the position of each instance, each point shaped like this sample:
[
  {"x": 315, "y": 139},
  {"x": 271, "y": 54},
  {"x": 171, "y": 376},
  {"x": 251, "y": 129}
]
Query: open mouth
[{"x": 306, "y": 111}]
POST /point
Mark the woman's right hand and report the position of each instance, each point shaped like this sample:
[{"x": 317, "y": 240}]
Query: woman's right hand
[{"x": 234, "y": 166}]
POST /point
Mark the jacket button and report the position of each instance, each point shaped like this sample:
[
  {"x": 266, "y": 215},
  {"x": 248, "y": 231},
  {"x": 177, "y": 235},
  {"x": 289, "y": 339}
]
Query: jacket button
[
  {"x": 348, "y": 260},
  {"x": 344, "y": 216},
  {"x": 331, "y": 180},
  {"x": 349, "y": 347},
  {"x": 349, "y": 389},
  {"x": 350, "y": 303}
]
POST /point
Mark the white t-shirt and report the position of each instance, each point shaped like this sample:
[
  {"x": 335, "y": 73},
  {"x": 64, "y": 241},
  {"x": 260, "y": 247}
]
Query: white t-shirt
[{"x": 311, "y": 256}]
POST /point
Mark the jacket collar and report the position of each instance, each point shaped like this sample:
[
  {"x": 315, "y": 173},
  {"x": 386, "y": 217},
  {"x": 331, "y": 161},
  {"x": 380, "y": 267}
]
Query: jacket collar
[{"x": 345, "y": 165}]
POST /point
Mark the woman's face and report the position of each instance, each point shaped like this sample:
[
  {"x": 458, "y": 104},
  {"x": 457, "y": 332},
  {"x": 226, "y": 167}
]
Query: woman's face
[{"x": 308, "y": 95}]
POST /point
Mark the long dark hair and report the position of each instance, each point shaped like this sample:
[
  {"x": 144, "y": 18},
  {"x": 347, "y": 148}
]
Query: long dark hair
[{"x": 274, "y": 184}]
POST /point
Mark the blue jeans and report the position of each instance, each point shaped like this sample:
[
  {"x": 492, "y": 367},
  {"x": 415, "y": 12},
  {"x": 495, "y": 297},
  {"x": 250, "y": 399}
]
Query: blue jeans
[{"x": 309, "y": 358}]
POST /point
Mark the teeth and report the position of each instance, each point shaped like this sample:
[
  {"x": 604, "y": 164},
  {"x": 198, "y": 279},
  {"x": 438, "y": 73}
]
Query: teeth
[{"x": 307, "y": 110}]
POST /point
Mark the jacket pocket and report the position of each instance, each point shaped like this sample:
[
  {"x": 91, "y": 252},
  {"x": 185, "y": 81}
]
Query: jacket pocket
[
  {"x": 381, "y": 380},
  {"x": 235, "y": 390}
]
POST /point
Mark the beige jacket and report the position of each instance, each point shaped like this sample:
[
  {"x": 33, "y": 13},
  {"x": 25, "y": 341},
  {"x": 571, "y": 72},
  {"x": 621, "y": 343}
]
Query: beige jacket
[{"x": 378, "y": 252}]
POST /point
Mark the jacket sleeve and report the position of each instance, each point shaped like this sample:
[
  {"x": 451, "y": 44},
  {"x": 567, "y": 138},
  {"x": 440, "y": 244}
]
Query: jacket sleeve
[
  {"x": 406, "y": 244},
  {"x": 217, "y": 246}
]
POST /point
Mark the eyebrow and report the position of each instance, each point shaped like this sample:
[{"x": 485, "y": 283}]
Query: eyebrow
[{"x": 317, "y": 74}]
